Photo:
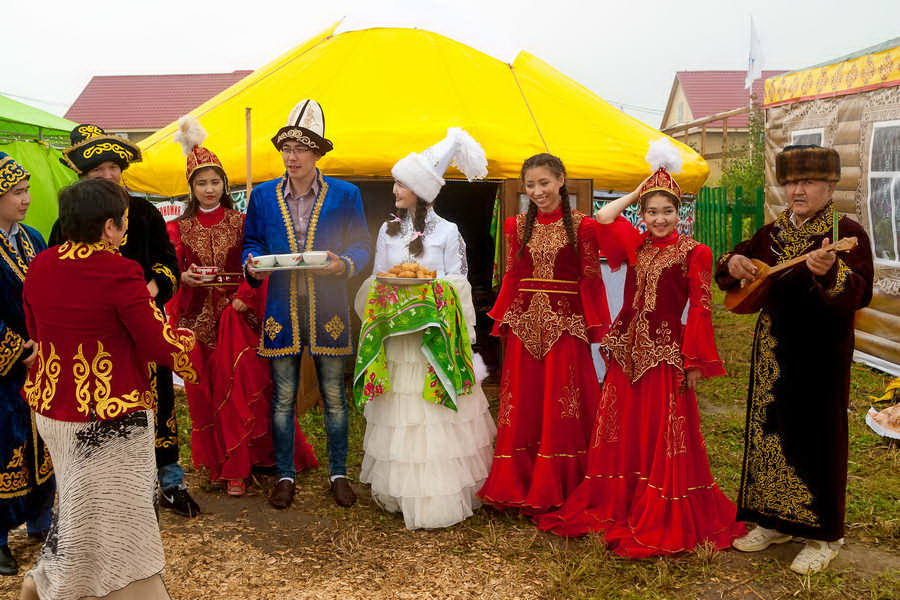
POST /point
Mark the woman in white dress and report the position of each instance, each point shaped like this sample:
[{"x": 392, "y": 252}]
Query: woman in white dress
[{"x": 425, "y": 459}]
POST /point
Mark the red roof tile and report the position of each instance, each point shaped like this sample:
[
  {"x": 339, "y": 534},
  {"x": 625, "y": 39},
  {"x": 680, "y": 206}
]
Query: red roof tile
[
  {"x": 146, "y": 101},
  {"x": 711, "y": 92}
]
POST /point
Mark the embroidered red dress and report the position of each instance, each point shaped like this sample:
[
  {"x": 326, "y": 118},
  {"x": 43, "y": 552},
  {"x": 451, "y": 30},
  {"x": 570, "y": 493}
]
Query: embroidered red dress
[
  {"x": 551, "y": 306},
  {"x": 648, "y": 484},
  {"x": 229, "y": 406}
]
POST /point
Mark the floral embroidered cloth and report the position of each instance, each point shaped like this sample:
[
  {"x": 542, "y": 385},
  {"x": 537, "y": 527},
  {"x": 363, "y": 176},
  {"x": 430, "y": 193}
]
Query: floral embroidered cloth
[{"x": 432, "y": 308}]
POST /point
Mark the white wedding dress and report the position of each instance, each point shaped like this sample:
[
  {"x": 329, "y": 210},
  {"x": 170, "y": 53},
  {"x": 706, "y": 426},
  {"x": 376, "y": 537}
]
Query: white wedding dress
[{"x": 423, "y": 459}]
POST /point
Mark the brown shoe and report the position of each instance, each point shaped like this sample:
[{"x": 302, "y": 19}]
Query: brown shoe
[
  {"x": 342, "y": 492},
  {"x": 282, "y": 494}
]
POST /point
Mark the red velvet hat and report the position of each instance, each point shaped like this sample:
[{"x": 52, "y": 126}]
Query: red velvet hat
[
  {"x": 190, "y": 135},
  {"x": 664, "y": 159}
]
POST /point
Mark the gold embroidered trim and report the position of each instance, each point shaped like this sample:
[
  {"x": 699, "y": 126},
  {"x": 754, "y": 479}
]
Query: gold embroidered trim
[
  {"x": 840, "y": 279},
  {"x": 793, "y": 241},
  {"x": 40, "y": 388},
  {"x": 166, "y": 272},
  {"x": 183, "y": 340},
  {"x": 570, "y": 400},
  {"x": 772, "y": 486},
  {"x": 632, "y": 344},
  {"x": 540, "y": 326},
  {"x": 296, "y": 134},
  {"x": 81, "y": 250},
  {"x": 11, "y": 347},
  {"x": 607, "y": 417},
  {"x": 13, "y": 258}
]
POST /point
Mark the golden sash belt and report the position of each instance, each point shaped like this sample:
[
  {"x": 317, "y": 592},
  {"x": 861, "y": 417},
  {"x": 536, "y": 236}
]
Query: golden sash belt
[{"x": 552, "y": 286}]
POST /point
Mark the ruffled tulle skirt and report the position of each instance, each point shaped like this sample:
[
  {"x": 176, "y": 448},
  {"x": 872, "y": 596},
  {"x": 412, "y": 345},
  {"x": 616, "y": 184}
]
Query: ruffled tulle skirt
[{"x": 422, "y": 459}]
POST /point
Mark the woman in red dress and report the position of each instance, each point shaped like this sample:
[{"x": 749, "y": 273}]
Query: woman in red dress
[
  {"x": 229, "y": 408},
  {"x": 648, "y": 485},
  {"x": 551, "y": 306}
]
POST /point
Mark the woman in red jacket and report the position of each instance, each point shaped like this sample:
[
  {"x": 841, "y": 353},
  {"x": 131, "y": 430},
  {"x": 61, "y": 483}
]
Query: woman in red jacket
[{"x": 97, "y": 331}]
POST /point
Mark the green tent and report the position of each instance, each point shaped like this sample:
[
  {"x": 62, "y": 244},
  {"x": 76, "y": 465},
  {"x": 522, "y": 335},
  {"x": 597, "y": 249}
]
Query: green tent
[{"x": 29, "y": 135}]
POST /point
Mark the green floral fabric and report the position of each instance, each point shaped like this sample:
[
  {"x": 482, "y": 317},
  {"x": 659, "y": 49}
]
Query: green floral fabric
[{"x": 432, "y": 308}]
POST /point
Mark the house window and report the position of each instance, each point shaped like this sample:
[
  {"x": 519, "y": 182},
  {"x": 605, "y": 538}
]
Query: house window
[
  {"x": 805, "y": 137},
  {"x": 680, "y": 112},
  {"x": 884, "y": 192}
]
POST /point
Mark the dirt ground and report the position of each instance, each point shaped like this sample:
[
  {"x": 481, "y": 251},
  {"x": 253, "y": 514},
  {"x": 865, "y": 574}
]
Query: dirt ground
[{"x": 242, "y": 548}]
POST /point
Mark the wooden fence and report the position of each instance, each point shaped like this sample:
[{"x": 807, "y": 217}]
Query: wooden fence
[{"x": 721, "y": 221}]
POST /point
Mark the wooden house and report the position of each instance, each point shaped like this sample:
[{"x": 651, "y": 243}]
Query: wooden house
[{"x": 853, "y": 105}]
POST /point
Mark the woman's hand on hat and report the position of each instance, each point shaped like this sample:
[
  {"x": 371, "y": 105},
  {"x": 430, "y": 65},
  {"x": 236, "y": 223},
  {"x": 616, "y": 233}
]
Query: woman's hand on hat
[{"x": 190, "y": 277}]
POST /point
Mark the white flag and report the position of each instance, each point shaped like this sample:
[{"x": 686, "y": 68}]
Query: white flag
[{"x": 754, "y": 62}]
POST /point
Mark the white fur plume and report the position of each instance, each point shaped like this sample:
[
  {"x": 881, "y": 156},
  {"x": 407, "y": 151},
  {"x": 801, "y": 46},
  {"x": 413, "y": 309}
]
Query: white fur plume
[
  {"x": 664, "y": 154},
  {"x": 469, "y": 156},
  {"x": 479, "y": 368},
  {"x": 190, "y": 133}
]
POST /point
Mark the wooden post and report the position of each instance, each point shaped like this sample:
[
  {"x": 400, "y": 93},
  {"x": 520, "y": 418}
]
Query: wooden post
[
  {"x": 249, "y": 184},
  {"x": 724, "y": 136},
  {"x": 703, "y": 140}
]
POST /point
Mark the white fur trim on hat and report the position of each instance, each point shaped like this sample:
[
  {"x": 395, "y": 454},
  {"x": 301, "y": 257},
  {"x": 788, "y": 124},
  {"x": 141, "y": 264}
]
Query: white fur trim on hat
[{"x": 414, "y": 171}]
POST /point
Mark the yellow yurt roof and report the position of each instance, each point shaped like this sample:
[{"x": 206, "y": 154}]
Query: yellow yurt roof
[{"x": 386, "y": 92}]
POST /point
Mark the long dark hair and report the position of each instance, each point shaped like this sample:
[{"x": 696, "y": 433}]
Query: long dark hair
[
  {"x": 193, "y": 205},
  {"x": 555, "y": 164},
  {"x": 393, "y": 226}
]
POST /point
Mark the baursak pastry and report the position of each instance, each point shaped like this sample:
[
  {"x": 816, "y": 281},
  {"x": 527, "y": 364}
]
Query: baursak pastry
[{"x": 409, "y": 270}]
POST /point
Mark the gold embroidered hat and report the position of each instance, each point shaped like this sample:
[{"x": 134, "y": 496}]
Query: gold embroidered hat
[
  {"x": 665, "y": 160},
  {"x": 801, "y": 162},
  {"x": 91, "y": 147},
  {"x": 190, "y": 135},
  {"x": 11, "y": 173},
  {"x": 306, "y": 124}
]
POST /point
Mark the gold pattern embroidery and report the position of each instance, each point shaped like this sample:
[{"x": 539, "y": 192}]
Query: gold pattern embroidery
[
  {"x": 40, "y": 388},
  {"x": 182, "y": 340},
  {"x": 504, "y": 412},
  {"x": 80, "y": 372},
  {"x": 675, "y": 430},
  {"x": 14, "y": 259},
  {"x": 80, "y": 250},
  {"x": 272, "y": 328},
  {"x": 107, "y": 147},
  {"x": 608, "y": 417},
  {"x": 335, "y": 327},
  {"x": 11, "y": 348},
  {"x": 89, "y": 131},
  {"x": 772, "y": 485},
  {"x": 793, "y": 241},
  {"x": 539, "y": 327},
  {"x": 167, "y": 273},
  {"x": 101, "y": 400},
  {"x": 840, "y": 279},
  {"x": 570, "y": 400},
  {"x": 18, "y": 458},
  {"x": 630, "y": 342}
]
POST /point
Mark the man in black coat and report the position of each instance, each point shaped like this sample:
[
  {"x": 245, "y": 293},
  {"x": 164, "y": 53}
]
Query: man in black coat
[{"x": 794, "y": 478}]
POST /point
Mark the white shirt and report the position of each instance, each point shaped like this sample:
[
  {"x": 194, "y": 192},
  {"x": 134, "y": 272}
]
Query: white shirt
[{"x": 443, "y": 251}]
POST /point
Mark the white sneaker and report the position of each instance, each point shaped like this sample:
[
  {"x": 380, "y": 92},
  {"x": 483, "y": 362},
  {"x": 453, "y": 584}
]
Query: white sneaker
[
  {"x": 815, "y": 556},
  {"x": 760, "y": 539}
]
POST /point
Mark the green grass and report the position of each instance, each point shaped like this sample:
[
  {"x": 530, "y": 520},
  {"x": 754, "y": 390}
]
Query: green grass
[{"x": 586, "y": 569}]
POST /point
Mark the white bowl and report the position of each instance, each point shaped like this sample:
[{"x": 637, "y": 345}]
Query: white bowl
[
  {"x": 288, "y": 260},
  {"x": 315, "y": 257},
  {"x": 206, "y": 273},
  {"x": 265, "y": 261}
]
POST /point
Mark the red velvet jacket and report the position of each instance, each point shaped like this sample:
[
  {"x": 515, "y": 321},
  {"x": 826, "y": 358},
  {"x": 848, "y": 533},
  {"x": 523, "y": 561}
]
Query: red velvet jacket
[{"x": 97, "y": 330}]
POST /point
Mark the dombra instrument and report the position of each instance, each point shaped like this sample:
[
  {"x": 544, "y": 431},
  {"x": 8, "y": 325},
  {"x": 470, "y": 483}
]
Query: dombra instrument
[{"x": 748, "y": 298}]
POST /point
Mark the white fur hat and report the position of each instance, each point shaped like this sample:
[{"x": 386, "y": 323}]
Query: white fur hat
[{"x": 423, "y": 173}]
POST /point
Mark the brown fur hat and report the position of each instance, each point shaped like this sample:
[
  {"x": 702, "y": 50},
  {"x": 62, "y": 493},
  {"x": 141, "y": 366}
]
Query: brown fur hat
[{"x": 796, "y": 163}]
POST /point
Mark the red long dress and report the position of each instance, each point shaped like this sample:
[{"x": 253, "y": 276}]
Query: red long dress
[
  {"x": 551, "y": 305},
  {"x": 648, "y": 484},
  {"x": 229, "y": 405}
]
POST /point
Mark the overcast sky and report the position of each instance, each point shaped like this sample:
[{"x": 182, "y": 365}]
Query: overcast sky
[{"x": 627, "y": 51}]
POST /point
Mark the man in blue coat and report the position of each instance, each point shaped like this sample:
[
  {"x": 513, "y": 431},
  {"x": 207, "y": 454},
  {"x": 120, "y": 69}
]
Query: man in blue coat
[{"x": 303, "y": 211}]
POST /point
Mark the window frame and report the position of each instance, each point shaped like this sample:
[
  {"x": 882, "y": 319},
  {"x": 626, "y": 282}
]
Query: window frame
[
  {"x": 870, "y": 175},
  {"x": 818, "y": 130}
]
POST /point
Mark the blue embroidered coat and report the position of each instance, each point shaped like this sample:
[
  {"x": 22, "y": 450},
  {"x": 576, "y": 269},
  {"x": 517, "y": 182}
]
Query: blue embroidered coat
[
  {"x": 337, "y": 223},
  {"x": 26, "y": 473}
]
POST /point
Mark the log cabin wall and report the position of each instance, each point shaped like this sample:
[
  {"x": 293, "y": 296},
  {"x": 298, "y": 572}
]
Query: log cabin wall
[{"x": 846, "y": 123}]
